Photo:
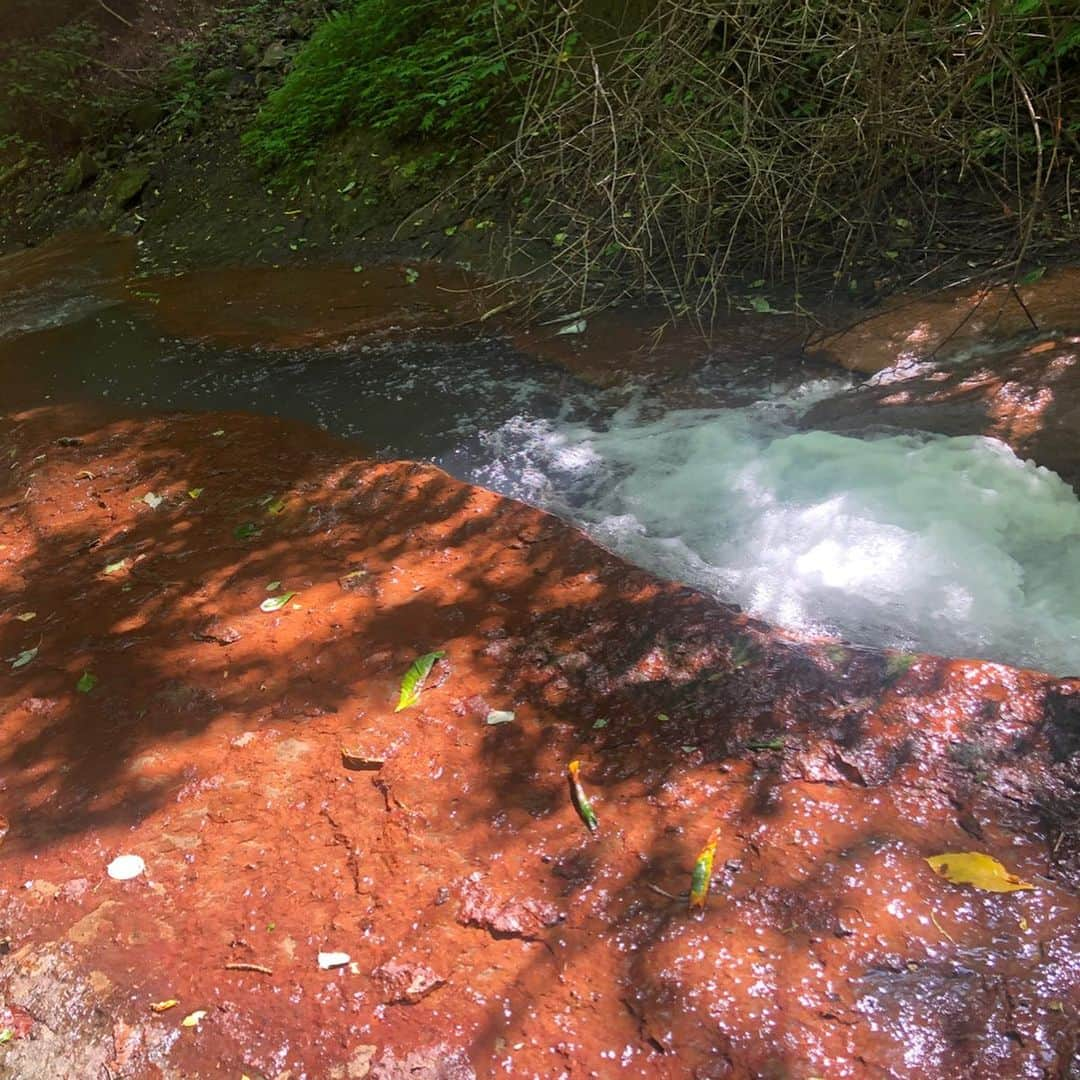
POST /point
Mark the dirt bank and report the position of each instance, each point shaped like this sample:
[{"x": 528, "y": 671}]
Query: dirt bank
[{"x": 151, "y": 708}]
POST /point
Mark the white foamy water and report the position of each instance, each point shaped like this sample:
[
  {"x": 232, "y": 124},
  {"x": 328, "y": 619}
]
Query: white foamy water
[{"x": 949, "y": 545}]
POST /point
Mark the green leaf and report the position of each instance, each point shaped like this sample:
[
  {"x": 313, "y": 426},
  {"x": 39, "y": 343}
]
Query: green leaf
[
  {"x": 273, "y": 586},
  {"x": 413, "y": 682},
  {"x": 1032, "y": 276},
  {"x": 114, "y": 567},
  {"x": 6, "y": 1035},
  {"x": 766, "y": 744},
  {"x": 276, "y": 507},
  {"x": 86, "y": 683},
  {"x": 601, "y": 723},
  {"x": 762, "y": 305},
  {"x": 24, "y": 658},
  {"x": 411, "y": 276},
  {"x": 194, "y": 493},
  {"x": 246, "y": 531},
  {"x": 276, "y": 603}
]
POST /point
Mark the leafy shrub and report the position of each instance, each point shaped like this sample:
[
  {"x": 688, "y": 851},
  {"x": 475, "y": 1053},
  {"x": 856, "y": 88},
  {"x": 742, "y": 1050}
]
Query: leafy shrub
[
  {"x": 414, "y": 69},
  {"x": 39, "y": 81}
]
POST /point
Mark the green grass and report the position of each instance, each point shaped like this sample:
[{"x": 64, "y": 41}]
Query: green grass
[{"x": 416, "y": 70}]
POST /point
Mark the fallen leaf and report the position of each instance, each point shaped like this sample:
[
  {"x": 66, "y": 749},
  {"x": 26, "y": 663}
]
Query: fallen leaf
[
  {"x": 163, "y": 1006},
  {"x": 152, "y": 500},
  {"x": 975, "y": 868},
  {"x": 276, "y": 507},
  {"x": 330, "y": 960},
  {"x": 6, "y": 1035},
  {"x": 276, "y": 603},
  {"x": 273, "y": 586},
  {"x": 246, "y": 531},
  {"x": 220, "y": 431},
  {"x": 357, "y": 759},
  {"x": 578, "y": 327},
  {"x": 579, "y": 798},
  {"x": 26, "y": 616},
  {"x": 413, "y": 682},
  {"x": 194, "y": 493},
  {"x": 113, "y": 567},
  {"x": 23, "y": 658},
  {"x": 496, "y": 717},
  {"x": 701, "y": 878},
  {"x": 601, "y": 724},
  {"x": 193, "y": 1019},
  {"x": 87, "y": 682}
]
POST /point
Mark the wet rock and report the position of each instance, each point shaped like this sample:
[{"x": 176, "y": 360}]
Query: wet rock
[
  {"x": 440, "y": 1062},
  {"x": 82, "y": 169},
  {"x": 508, "y": 917},
  {"x": 944, "y": 325},
  {"x": 217, "y": 633},
  {"x": 1027, "y": 395},
  {"x": 407, "y": 982},
  {"x": 275, "y": 54},
  {"x": 128, "y": 185}
]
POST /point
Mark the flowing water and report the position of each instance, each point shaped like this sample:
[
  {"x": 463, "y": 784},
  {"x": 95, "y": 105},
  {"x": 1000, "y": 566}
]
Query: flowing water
[{"x": 916, "y": 541}]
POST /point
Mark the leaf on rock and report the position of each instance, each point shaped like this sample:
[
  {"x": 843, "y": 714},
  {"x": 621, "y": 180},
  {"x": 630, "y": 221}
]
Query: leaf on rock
[
  {"x": 87, "y": 682},
  {"x": 276, "y": 603},
  {"x": 330, "y": 960},
  {"x": 578, "y": 797},
  {"x": 701, "y": 878},
  {"x": 24, "y": 658},
  {"x": 413, "y": 682},
  {"x": 974, "y": 868}
]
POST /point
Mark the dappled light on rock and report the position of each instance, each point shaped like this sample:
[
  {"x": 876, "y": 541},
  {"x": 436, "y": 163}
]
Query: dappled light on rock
[{"x": 481, "y": 924}]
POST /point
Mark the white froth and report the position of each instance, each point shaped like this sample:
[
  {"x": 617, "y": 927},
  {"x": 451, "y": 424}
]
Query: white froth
[{"x": 951, "y": 545}]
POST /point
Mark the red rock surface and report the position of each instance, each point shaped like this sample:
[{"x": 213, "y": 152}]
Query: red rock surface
[
  {"x": 945, "y": 324},
  {"x": 489, "y": 933},
  {"x": 1026, "y": 395}
]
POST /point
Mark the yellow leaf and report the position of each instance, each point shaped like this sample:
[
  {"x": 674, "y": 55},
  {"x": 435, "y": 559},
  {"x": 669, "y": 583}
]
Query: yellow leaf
[
  {"x": 192, "y": 1020},
  {"x": 163, "y": 1006},
  {"x": 975, "y": 868}
]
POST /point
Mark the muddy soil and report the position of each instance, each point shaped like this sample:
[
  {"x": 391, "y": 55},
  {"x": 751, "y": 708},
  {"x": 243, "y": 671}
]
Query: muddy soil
[{"x": 150, "y": 707}]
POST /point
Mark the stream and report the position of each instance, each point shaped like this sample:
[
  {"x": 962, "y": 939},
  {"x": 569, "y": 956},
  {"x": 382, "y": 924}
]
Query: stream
[{"x": 890, "y": 538}]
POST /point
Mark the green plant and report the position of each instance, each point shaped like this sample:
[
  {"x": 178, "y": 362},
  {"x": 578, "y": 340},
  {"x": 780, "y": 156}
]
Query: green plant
[
  {"x": 39, "y": 84},
  {"x": 416, "y": 70}
]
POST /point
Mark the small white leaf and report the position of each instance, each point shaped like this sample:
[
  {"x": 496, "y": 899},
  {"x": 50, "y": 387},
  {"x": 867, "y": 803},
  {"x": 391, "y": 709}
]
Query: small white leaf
[
  {"x": 152, "y": 500},
  {"x": 578, "y": 327},
  {"x": 496, "y": 717},
  {"x": 330, "y": 960},
  {"x": 276, "y": 603}
]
